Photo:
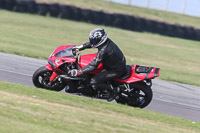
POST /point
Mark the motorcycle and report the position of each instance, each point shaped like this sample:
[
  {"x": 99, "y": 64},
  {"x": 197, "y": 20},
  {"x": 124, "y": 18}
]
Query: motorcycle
[{"x": 134, "y": 86}]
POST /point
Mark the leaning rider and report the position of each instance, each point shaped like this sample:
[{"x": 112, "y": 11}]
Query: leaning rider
[{"x": 109, "y": 55}]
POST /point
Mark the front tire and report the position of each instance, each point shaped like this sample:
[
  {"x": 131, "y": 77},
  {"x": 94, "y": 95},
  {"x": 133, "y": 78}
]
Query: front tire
[{"x": 41, "y": 80}]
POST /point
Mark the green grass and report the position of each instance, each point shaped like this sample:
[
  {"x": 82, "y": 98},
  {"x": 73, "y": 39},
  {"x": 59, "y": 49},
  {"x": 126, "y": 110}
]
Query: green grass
[
  {"x": 111, "y": 7},
  {"x": 27, "y": 109},
  {"x": 37, "y": 36}
]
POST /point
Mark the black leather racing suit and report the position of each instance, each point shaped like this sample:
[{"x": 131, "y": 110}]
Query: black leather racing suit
[{"x": 113, "y": 61}]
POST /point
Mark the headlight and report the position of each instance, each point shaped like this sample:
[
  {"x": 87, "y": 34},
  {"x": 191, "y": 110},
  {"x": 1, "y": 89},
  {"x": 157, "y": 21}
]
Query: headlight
[{"x": 52, "y": 64}]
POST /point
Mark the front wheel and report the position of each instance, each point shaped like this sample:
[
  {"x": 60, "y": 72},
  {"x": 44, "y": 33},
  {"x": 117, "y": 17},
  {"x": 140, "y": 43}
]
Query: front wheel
[
  {"x": 139, "y": 96},
  {"x": 41, "y": 80}
]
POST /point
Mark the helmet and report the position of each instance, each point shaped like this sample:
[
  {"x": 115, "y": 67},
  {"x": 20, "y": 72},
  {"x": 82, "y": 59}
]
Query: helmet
[{"x": 97, "y": 37}]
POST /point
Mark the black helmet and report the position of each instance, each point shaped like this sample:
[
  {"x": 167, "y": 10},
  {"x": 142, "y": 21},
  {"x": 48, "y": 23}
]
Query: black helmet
[{"x": 98, "y": 37}]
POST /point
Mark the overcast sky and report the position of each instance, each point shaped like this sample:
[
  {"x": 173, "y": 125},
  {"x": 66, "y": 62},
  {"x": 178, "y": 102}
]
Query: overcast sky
[{"x": 192, "y": 7}]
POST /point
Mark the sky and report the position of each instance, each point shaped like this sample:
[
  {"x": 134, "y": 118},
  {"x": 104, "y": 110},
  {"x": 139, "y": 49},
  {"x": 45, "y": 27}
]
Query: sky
[{"x": 191, "y": 7}]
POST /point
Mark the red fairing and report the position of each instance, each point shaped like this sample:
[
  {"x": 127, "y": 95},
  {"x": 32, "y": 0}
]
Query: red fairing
[
  {"x": 49, "y": 67},
  {"x": 141, "y": 76},
  {"x": 57, "y": 61},
  {"x": 86, "y": 59},
  {"x": 61, "y": 48},
  {"x": 60, "y": 60}
]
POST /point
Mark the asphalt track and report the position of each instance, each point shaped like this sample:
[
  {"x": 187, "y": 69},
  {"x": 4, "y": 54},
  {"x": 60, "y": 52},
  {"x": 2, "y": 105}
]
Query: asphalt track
[{"x": 170, "y": 98}]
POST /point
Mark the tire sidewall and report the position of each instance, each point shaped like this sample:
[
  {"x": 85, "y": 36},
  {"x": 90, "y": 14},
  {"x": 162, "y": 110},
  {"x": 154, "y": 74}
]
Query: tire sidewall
[
  {"x": 36, "y": 82},
  {"x": 146, "y": 89}
]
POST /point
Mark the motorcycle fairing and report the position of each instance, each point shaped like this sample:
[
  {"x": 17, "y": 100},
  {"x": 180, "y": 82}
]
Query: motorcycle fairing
[
  {"x": 135, "y": 76},
  {"x": 48, "y": 66},
  {"x": 60, "y": 60},
  {"x": 88, "y": 58},
  {"x": 60, "y": 48}
]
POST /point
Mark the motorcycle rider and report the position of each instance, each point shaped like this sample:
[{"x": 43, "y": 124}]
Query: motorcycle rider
[{"x": 109, "y": 55}]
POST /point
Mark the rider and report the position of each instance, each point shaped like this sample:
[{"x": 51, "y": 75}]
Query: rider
[{"x": 109, "y": 55}]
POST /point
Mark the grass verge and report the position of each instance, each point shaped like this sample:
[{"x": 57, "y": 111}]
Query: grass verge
[
  {"x": 169, "y": 17},
  {"x": 27, "y": 109},
  {"x": 37, "y": 36}
]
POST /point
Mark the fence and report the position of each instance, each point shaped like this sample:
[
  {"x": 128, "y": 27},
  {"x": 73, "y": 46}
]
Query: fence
[{"x": 99, "y": 17}]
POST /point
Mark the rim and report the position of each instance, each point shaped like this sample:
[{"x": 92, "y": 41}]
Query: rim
[
  {"x": 43, "y": 78},
  {"x": 137, "y": 97}
]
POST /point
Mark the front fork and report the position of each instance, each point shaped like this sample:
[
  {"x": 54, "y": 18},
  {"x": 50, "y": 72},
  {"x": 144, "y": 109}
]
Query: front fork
[{"x": 54, "y": 75}]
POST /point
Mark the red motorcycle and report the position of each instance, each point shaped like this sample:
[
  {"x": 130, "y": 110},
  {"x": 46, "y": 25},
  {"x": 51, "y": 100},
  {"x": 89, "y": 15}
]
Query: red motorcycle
[{"x": 134, "y": 86}]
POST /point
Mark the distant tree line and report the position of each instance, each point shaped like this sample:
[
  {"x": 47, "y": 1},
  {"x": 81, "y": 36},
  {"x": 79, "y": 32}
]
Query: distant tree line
[{"x": 122, "y": 21}]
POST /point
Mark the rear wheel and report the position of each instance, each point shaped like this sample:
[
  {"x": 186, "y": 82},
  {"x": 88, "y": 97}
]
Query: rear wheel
[
  {"x": 139, "y": 96},
  {"x": 41, "y": 80}
]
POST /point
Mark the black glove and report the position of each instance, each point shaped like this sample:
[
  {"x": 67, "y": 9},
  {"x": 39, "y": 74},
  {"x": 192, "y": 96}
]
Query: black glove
[{"x": 78, "y": 47}]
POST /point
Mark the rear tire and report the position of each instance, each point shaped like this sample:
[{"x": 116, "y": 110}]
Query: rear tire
[
  {"x": 41, "y": 80},
  {"x": 140, "y": 96}
]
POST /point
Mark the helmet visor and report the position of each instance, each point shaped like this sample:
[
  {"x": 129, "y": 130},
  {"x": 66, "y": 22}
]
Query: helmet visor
[{"x": 92, "y": 41}]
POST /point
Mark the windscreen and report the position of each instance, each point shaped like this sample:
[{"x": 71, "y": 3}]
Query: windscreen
[{"x": 68, "y": 52}]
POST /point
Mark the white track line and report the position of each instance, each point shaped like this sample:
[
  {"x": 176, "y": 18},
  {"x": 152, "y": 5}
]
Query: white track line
[{"x": 16, "y": 72}]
